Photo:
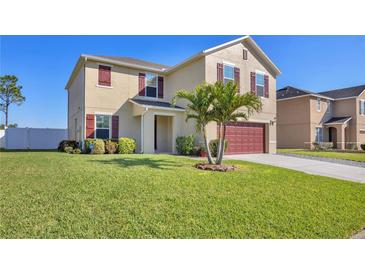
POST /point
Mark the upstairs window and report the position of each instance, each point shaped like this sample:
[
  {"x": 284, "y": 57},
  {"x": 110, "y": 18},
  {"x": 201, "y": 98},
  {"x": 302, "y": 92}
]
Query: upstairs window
[
  {"x": 318, "y": 104},
  {"x": 329, "y": 106},
  {"x": 102, "y": 129},
  {"x": 104, "y": 76},
  {"x": 362, "y": 107},
  {"x": 260, "y": 84},
  {"x": 228, "y": 73},
  {"x": 151, "y": 85}
]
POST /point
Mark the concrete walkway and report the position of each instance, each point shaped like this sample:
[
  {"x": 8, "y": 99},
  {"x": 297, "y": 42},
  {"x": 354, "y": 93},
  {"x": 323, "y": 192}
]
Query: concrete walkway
[{"x": 334, "y": 170}]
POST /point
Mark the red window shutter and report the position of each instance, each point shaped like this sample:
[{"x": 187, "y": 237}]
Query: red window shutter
[
  {"x": 104, "y": 75},
  {"x": 266, "y": 79},
  {"x": 160, "y": 87},
  {"x": 115, "y": 127},
  {"x": 90, "y": 125},
  {"x": 219, "y": 72},
  {"x": 237, "y": 78},
  {"x": 253, "y": 82},
  {"x": 141, "y": 84}
]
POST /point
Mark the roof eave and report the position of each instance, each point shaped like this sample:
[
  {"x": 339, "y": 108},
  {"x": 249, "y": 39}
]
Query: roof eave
[{"x": 156, "y": 107}]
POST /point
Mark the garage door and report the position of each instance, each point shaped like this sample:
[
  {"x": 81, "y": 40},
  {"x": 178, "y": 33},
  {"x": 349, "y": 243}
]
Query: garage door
[{"x": 245, "y": 138}]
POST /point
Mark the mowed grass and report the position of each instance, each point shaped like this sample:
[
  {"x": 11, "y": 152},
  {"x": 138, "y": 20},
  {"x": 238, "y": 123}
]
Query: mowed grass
[
  {"x": 352, "y": 156},
  {"x": 57, "y": 195}
]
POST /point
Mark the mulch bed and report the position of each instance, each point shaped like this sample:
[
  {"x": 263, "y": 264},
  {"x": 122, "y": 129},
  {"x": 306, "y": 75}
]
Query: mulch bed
[{"x": 212, "y": 167}]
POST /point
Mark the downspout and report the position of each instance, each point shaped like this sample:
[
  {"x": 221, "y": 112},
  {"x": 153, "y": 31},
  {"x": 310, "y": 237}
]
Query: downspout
[
  {"x": 142, "y": 128},
  {"x": 83, "y": 108}
]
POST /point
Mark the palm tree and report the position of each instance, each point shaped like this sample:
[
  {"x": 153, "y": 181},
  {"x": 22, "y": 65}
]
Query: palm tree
[
  {"x": 228, "y": 105},
  {"x": 199, "y": 108}
]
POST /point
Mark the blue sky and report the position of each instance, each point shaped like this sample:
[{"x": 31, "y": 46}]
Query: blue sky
[{"x": 44, "y": 63}]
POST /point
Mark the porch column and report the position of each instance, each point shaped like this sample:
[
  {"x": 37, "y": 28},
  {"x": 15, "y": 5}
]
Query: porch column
[
  {"x": 340, "y": 137},
  {"x": 148, "y": 133}
]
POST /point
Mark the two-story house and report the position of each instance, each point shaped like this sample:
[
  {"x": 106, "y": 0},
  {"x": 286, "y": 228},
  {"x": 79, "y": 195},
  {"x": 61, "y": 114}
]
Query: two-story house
[
  {"x": 111, "y": 97},
  {"x": 305, "y": 117}
]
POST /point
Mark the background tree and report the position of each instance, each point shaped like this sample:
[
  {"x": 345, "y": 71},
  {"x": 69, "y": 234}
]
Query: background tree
[
  {"x": 10, "y": 93},
  {"x": 2, "y": 126},
  {"x": 228, "y": 105},
  {"x": 199, "y": 108}
]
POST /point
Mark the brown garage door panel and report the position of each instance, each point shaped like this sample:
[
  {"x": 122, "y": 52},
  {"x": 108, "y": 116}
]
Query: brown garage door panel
[{"x": 245, "y": 137}]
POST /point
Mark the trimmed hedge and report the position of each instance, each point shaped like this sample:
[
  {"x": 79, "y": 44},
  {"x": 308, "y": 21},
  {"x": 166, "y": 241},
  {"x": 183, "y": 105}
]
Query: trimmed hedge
[
  {"x": 126, "y": 145},
  {"x": 323, "y": 145},
  {"x": 362, "y": 146},
  {"x": 98, "y": 146},
  {"x": 185, "y": 145},
  {"x": 213, "y": 145}
]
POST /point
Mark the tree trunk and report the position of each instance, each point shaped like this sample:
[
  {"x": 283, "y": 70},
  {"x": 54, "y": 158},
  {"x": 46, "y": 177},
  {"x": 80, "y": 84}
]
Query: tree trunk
[
  {"x": 6, "y": 115},
  {"x": 219, "y": 143},
  {"x": 209, "y": 155},
  {"x": 221, "y": 153}
]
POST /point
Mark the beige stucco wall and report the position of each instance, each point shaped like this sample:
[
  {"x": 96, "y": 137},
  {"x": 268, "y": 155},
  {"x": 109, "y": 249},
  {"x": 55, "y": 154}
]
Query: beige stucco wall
[
  {"x": 187, "y": 77},
  {"x": 75, "y": 107},
  {"x": 318, "y": 118},
  {"x": 347, "y": 107},
  {"x": 234, "y": 56},
  {"x": 293, "y": 127},
  {"x": 360, "y": 121}
]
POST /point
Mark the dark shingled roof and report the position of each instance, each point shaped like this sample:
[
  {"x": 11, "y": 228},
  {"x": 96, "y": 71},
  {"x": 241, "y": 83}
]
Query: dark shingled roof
[
  {"x": 344, "y": 92},
  {"x": 289, "y": 92},
  {"x": 155, "y": 103},
  {"x": 134, "y": 61},
  {"x": 338, "y": 120}
]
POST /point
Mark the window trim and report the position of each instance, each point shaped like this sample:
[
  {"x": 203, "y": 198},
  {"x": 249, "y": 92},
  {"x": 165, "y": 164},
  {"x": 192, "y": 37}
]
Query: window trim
[
  {"x": 257, "y": 72},
  {"x": 145, "y": 85},
  {"x": 329, "y": 106},
  {"x": 318, "y": 100},
  {"x": 231, "y": 66},
  {"x": 362, "y": 102},
  {"x": 315, "y": 139},
  {"x": 110, "y": 122}
]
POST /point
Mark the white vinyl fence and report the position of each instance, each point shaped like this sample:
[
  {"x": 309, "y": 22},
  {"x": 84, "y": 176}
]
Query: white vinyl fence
[
  {"x": 34, "y": 138},
  {"x": 2, "y": 138}
]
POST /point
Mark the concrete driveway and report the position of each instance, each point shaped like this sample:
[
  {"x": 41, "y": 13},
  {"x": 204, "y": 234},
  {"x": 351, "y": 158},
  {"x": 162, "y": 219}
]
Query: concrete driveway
[{"x": 334, "y": 170}]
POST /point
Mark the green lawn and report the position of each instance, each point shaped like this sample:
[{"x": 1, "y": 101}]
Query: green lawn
[
  {"x": 352, "y": 156},
  {"x": 58, "y": 195}
]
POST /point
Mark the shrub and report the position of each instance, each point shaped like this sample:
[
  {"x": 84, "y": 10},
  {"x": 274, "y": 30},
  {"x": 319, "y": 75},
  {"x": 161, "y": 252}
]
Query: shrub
[
  {"x": 185, "y": 145},
  {"x": 66, "y": 143},
  {"x": 76, "y": 151},
  {"x": 111, "y": 147},
  {"x": 97, "y": 144},
  {"x": 351, "y": 146},
  {"x": 213, "y": 145},
  {"x": 68, "y": 149},
  {"x": 323, "y": 145},
  {"x": 126, "y": 145},
  {"x": 362, "y": 146}
]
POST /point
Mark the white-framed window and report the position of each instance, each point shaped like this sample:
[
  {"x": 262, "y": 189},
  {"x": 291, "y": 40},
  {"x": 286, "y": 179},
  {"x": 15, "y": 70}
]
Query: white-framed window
[
  {"x": 228, "y": 73},
  {"x": 329, "y": 106},
  {"x": 102, "y": 126},
  {"x": 151, "y": 85},
  {"x": 260, "y": 84},
  {"x": 362, "y": 107},
  {"x": 319, "y": 134},
  {"x": 318, "y": 104}
]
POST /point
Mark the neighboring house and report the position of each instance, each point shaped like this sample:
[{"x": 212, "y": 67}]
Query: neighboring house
[
  {"x": 337, "y": 116},
  {"x": 112, "y": 97}
]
